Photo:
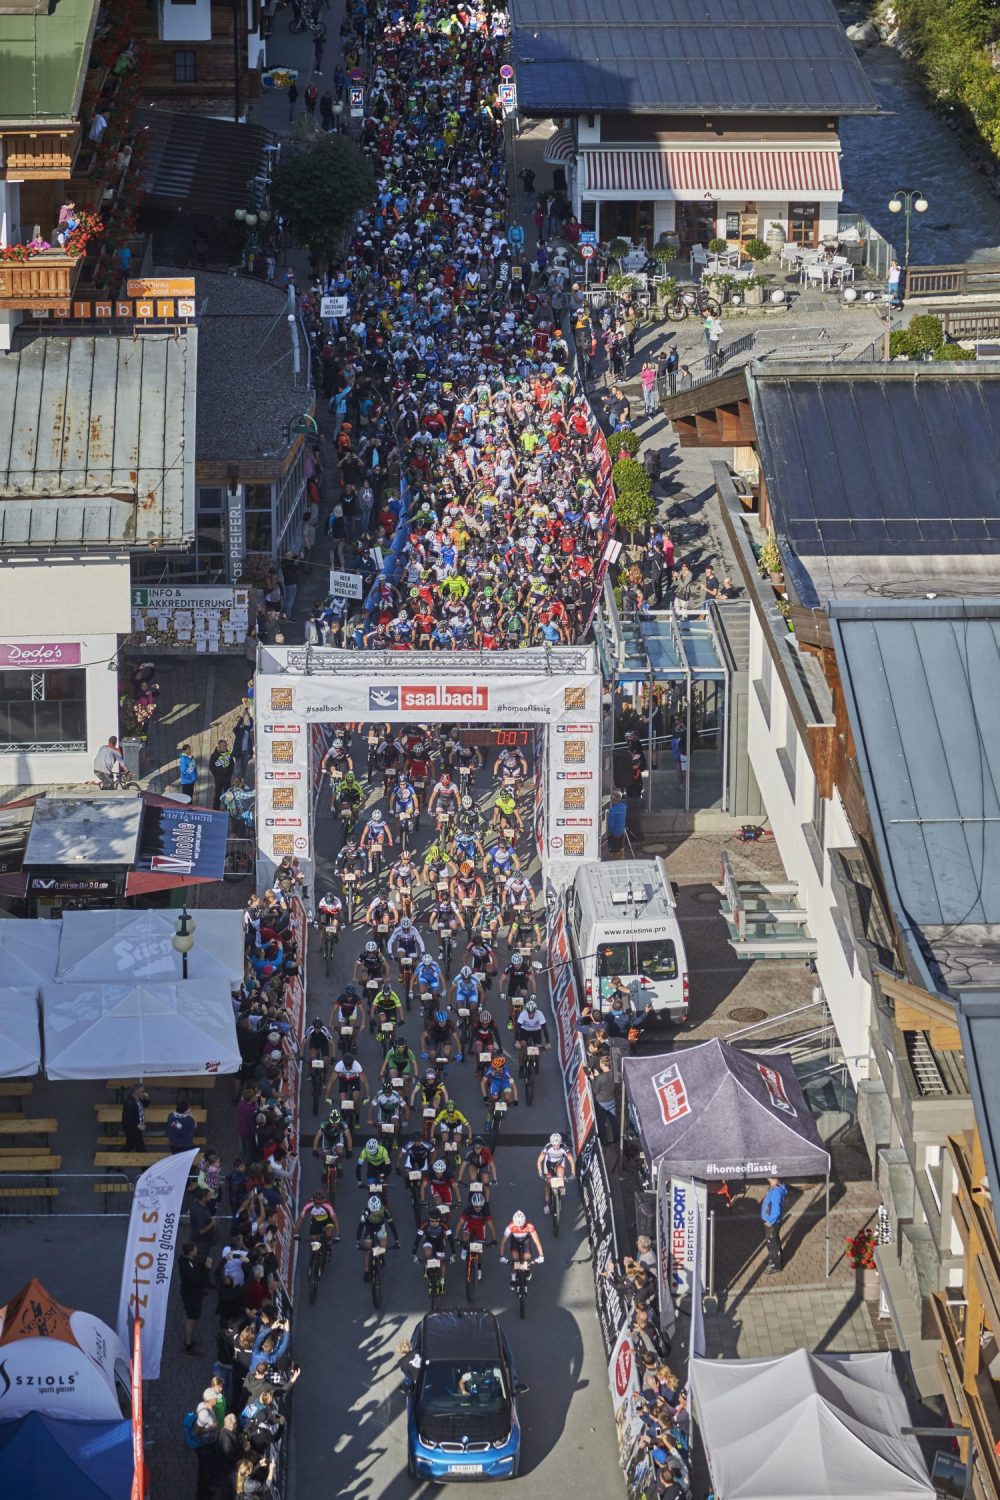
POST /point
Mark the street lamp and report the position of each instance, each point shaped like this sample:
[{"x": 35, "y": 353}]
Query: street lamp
[
  {"x": 907, "y": 200},
  {"x": 183, "y": 939}
]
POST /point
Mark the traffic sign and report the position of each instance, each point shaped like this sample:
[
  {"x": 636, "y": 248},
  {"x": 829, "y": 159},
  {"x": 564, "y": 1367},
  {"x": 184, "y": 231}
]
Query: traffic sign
[
  {"x": 357, "y": 102},
  {"x": 333, "y": 307},
  {"x": 587, "y": 251},
  {"x": 346, "y": 585},
  {"x": 506, "y": 71},
  {"x": 588, "y": 236},
  {"x": 506, "y": 93}
]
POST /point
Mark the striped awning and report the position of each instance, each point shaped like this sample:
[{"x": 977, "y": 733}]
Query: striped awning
[
  {"x": 560, "y": 149},
  {"x": 693, "y": 174}
]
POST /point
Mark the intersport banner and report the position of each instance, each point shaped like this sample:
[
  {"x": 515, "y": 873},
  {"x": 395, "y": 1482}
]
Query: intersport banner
[
  {"x": 564, "y": 998},
  {"x": 558, "y": 688},
  {"x": 153, "y": 1230}
]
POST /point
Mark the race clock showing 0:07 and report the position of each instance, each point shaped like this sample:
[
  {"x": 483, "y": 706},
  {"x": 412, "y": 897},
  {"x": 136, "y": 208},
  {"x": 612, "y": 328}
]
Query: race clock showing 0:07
[{"x": 488, "y": 739}]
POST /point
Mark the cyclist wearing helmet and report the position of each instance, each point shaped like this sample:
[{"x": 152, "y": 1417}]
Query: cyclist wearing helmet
[
  {"x": 428, "y": 978},
  {"x": 443, "y": 916},
  {"x": 434, "y": 1237},
  {"x": 403, "y": 877},
  {"x": 373, "y": 1225},
  {"x": 476, "y": 1222},
  {"x": 377, "y": 835},
  {"x": 316, "y": 1041},
  {"x": 530, "y": 1027},
  {"x": 404, "y": 802},
  {"x": 400, "y": 1061},
  {"x": 554, "y": 1161},
  {"x": 385, "y": 1009},
  {"x": 346, "y": 796},
  {"x": 467, "y": 889},
  {"x": 322, "y": 1219},
  {"x": 465, "y": 990},
  {"x": 510, "y": 767},
  {"x": 428, "y": 1094},
  {"x": 373, "y": 1163},
  {"x": 331, "y": 913},
  {"x": 505, "y": 811},
  {"x": 439, "y": 1038},
  {"x": 438, "y": 867},
  {"x": 333, "y": 1136},
  {"x": 336, "y": 764},
  {"x": 479, "y": 952},
  {"x": 498, "y": 1083},
  {"x": 479, "y": 1166},
  {"x": 521, "y": 1234},
  {"x": 347, "y": 1018},
  {"x": 502, "y": 861},
  {"x": 485, "y": 1038},
  {"x": 444, "y": 799},
  {"x": 349, "y": 865},
  {"x": 439, "y": 1183},
  {"x": 350, "y": 1078},
  {"x": 388, "y": 1107},
  {"x": 381, "y": 917},
  {"x": 451, "y": 1122}
]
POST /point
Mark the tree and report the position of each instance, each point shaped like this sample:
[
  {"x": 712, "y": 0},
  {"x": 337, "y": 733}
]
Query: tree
[
  {"x": 634, "y": 506},
  {"x": 320, "y": 188}
]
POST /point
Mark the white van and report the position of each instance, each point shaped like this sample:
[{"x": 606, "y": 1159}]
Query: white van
[{"x": 623, "y": 921}]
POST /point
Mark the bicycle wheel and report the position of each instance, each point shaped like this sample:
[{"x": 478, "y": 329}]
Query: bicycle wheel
[
  {"x": 376, "y": 1282},
  {"x": 317, "y": 1085},
  {"x": 677, "y": 311},
  {"x": 313, "y": 1277},
  {"x": 470, "y": 1278},
  {"x": 494, "y": 1130},
  {"x": 556, "y": 1213},
  {"x": 529, "y": 1082},
  {"x": 327, "y": 954},
  {"x": 522, "y": 1295},
  {"x": 712, "y": 307}
]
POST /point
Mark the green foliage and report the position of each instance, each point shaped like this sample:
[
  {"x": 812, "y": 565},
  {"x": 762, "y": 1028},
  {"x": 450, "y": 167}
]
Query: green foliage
[
  {"x": 618, "y": 249},
  {"x": 925, "y": 332},
  {"x": 717, "y": 246},
  {"x": 899, "y": 344},
  {"x": 950, "y": 39},
  {"x": 666, "y": 249},
  {"x": 666, "y": 290},
  {"x": 623, "y": 285},
  {"x": 633, "y": 510},
  {"x": 950, "y": 352},
  {"x": 320, "y": 188},
  {"x": 629, "y": 477},
  {"x": 769, "y": 556},
  {"x": 627, "y": 442},
  {"x": 757, "y": 250}
]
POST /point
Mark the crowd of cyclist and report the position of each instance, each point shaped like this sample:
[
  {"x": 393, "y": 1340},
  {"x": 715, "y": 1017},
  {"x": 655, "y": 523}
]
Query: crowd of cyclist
[
  {"x": 447, "y": 355},
  {"x": 444, "y": 949}
]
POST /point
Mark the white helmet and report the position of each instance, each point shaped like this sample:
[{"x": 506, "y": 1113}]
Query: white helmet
[
  {"x": 377, "y": 815},
  {"x": 519, "y": 1220},
  {"x": 555, "y": 1139},
  {"x": 374, "y": 1204},
  {"x": 371, "y": 1145}
]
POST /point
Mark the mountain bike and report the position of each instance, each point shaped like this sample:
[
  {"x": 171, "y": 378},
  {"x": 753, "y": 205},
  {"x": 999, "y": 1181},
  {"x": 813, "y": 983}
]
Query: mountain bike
[
  {"x": 329, "y": 943},
  {"x": 473, "y": 1269},
  {"x": 447, "y": 942},
  {"x": 497, "y": 1113},
  {"x": 319, "y": 1253},
  {"x": 557, "y": 1192},
  {"x": 317, "y": 1073},
  {"x": 378, "y": 1256},
  {"x": 434, "y": 1276},
  {"x": 529, "y": 1070},
  {"x": 416, "y": 1181},
  {"x": 521, "y": 1275},
  {"x": 406, "y": 979}
]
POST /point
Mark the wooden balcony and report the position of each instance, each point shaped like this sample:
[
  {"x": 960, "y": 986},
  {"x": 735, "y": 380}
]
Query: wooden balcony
[
  {"x": 46, "y": 280},
  {"x": 34, "y": 155}
]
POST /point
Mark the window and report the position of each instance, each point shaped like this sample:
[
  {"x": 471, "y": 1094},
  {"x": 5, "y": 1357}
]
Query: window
[
  {"x": 803, "y": 223},
  {"x": 653, "y": 958},
  {"x": 43, "y": 710},
  {"x": 185, "y": 66}
]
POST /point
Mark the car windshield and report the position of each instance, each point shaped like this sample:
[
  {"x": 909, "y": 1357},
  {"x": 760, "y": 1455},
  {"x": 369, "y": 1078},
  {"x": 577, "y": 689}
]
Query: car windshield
[
  {"x": 475, "y": 1387},
  {"x": 657, "y": 959}
]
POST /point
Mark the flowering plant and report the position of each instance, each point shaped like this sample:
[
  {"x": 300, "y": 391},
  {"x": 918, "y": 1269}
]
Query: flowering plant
[
  {"x": 87, "y": 226},
  {"x": 861, "y": 1250}
]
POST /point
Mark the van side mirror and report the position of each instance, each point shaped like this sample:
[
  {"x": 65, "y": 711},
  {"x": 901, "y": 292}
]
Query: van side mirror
[{"x": 521, "y": 1388}]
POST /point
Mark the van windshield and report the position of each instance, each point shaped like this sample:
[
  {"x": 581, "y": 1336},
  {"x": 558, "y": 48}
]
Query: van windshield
[
  {"x": 657, "y": 959},
  {"x": 615, "y": 958}
]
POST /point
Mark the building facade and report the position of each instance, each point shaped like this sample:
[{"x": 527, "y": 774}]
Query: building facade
[{"x": 205, "y": 56}]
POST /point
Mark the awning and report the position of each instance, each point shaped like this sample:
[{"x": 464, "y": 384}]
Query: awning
[
  {"x": 560, "y": 149},
  {"x": 178, "y": 846},
  {"x": 693, "y": 174}
]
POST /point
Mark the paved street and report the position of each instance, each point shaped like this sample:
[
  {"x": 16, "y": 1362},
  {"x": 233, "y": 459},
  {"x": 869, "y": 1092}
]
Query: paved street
[{"x": 349, "y": 1417}]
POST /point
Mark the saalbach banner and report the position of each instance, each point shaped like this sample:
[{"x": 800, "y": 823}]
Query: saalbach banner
[{"x": 149, "y": 1254}]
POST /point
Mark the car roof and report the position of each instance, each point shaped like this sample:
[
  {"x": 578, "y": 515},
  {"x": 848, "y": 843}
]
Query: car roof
[{"x": 460, "y": 1333}]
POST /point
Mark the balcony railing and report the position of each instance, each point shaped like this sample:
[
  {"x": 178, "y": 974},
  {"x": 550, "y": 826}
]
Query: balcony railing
[
  {"x": 31, "y": 156},
  {"x": 45, "y": 280}
]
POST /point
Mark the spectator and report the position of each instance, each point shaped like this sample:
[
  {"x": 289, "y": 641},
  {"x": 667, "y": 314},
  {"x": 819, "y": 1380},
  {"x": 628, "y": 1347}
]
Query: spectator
[
  {"x": 202, "y": 1223},
  {"x": 134, "y": 1118},
  {"x": 616, "y": 826},
  {"x": 180, "y": 1126},
  {"x": 194, "y": 1282},
  {"x": 188, "y": 771}
]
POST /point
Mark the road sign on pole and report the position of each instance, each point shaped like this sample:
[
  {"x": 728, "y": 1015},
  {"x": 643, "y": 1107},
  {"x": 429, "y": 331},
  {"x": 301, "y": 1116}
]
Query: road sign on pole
[
  {"x": 357, "y": 102},
  {"x": 586, "y": 252}
]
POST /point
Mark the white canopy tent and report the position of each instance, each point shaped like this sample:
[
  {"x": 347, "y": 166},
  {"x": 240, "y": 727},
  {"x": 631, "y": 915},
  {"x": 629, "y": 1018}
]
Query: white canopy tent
[
  {"x": 807, "y": 1427},
  {"x": 60, "y": 1361},
  {"x": 20, "y": 1037},
  {"x": 124, "y": 947},
  {"x": 29, "y": 951},
  {"x": 128, "y": 1031}
]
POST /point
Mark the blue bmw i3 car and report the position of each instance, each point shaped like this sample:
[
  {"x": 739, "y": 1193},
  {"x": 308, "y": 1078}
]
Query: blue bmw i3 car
[{"x": 462, "y": 1392}]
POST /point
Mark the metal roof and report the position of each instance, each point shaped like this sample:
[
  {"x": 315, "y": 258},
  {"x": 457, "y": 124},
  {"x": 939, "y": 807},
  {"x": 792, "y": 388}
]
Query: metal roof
[
  {"x": 197, "y": 164},
  {"x": 75, "y": 831},
  {"x": 921, "y": 681},
  {"x": 97, "y": 441},
  {"x": 43, "y": 59},
  {"x": 686, "y": 56},
  {"x": 865, "y": 470}
]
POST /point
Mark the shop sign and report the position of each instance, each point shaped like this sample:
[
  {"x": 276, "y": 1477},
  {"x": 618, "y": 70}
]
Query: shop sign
[{"x": 40, "y": 654}]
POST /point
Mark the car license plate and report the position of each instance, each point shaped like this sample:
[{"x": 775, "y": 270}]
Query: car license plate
[{"x": 465, "y": 1468}]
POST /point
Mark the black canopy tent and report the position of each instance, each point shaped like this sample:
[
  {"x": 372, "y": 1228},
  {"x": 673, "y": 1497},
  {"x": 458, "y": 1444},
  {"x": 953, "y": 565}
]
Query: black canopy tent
[{"x": 713, "y": 1112}]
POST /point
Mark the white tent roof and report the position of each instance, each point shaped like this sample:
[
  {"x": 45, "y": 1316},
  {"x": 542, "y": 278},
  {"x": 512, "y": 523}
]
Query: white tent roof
[
  {"x": 119, "y": 947},
  {"x": 807, "y": 1427},
  {"x": 29, "y": 951},
  {"x": 126, "y": 1031},
  {"x": 20, "y": 1038}
]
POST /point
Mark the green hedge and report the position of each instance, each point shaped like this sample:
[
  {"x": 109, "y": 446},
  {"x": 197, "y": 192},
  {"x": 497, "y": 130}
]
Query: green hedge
[{"x": 629, "y": 441}]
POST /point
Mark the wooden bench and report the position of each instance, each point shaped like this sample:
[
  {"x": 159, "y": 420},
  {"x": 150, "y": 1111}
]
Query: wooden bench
[
  {"x": 123, "y": 1161},
  {"x": 41, "y": 1165},
  {"x": 23, "y": 1125},
  {"x": 153, "y": 1142},
  {"x": 16, "y": 1088},
  {"x": 156, "y": 1114}
]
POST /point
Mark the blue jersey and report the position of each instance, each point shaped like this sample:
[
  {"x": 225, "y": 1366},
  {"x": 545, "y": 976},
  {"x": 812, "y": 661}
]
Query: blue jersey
[
  {"x": 428, "y": 975},
  {"x": 498, "y": 1083},
  {"x": 466, "y": 991},
  {"x": 501, "y": 856}
]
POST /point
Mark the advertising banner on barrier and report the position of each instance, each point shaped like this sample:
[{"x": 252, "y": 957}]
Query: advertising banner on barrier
[
  {"x": 153, "y": 1230},
  {"x": 296, "y": 1001},
  {"x": 565, "y": 1014},
  {"x": 558, "y": 689},
  {"x": 595, "y": 1190},
  {"x": 679, "y": 1202}
]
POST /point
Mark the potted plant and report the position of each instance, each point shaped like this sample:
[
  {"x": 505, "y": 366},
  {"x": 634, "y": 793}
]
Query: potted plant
[
  {"x": 770, "y": 561},
  {"x": 717, "y": 246},
  {"x": 753, "y": 288},
  {"x": 665, "y": 250},
  {"x": 618, "y": 249},
  {"x": 627, "y": 443},
  {"x": 776, "y": 237},
  {"x": 861, "y": 1256},
  {"x": 757, "y": 250},
  {"x": 666, "y": 294}
]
